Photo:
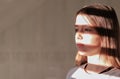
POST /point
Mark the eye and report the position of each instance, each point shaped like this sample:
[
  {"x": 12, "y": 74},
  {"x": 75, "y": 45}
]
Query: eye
[
  {"x": 89, "y": 30},
  {"x": 85, "y": 29},
  {"x": 76, "y": 28}
]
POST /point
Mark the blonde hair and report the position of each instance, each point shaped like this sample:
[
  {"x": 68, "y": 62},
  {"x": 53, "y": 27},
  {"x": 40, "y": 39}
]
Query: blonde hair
[{"x": 105, "y": 18}]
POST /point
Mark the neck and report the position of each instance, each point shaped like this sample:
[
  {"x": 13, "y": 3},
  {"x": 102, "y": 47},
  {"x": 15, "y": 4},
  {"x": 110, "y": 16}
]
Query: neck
[
  {"x": 96, "y": 65},
  {"x": 96, "y": 60}
]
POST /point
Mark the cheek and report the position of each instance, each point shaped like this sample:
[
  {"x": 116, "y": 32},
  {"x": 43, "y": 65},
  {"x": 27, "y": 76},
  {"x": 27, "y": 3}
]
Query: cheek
[
  {"x": 94, "y": 40},
  {"x": 90, "y": 39}
]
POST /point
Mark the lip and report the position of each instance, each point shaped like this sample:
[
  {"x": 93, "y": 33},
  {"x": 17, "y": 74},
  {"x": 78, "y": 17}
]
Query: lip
[{"x": 81, "y": 47}]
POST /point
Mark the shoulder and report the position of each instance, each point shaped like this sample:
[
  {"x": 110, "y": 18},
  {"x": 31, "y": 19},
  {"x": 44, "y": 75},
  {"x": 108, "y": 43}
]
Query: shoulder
[
  {"x": 72, "y": 71},
  {"x": 113, "y": 73}
]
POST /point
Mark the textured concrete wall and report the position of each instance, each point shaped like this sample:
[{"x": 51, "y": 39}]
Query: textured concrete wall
[{"x": 37, "y": 37}]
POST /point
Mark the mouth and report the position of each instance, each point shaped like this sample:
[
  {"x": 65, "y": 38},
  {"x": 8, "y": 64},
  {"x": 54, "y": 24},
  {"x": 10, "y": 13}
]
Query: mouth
[{"x": 81, "y": 47}]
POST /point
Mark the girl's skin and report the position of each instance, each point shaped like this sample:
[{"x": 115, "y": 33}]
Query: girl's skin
[{"x": 88, "y": 42}]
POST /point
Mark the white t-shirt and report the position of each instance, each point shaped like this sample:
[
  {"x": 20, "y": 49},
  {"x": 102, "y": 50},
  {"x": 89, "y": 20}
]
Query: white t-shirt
[{"x": 79, "y": 73}]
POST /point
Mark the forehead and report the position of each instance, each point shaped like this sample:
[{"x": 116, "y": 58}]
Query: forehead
[{"x": 82, "y": 20}]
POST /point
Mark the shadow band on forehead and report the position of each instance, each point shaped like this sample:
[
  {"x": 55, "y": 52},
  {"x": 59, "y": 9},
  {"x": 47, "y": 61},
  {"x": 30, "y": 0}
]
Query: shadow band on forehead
[{"x": 97, "y": 12}]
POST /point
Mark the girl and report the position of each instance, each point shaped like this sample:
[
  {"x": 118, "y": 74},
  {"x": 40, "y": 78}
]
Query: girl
[{"x": 97, "y": 41}]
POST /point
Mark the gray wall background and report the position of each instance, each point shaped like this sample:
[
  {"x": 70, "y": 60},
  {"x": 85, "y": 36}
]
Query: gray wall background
[{"x": 37, "y": 37}]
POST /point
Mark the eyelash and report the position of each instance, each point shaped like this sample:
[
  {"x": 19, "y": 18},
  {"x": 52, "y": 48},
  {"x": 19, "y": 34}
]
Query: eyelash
[
  {"x": 88, "y": 30},
  {"x": 85, "y": 30}
]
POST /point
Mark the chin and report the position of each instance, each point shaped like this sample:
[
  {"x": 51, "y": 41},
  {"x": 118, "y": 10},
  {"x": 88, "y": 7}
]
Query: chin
[
  {"x": 86, "y": 53},
  {"x": 83, "y": 53}
]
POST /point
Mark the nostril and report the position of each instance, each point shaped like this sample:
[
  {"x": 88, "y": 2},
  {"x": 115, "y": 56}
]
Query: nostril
[{"x": 79, "y": 37}]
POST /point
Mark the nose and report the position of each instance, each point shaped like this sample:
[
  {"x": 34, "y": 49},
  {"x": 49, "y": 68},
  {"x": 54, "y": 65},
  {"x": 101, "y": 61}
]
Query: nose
[{"x": 79, "y": 36}]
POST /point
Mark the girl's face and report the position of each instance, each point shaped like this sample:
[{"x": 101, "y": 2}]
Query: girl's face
[{"x": 87, "y": 40}]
